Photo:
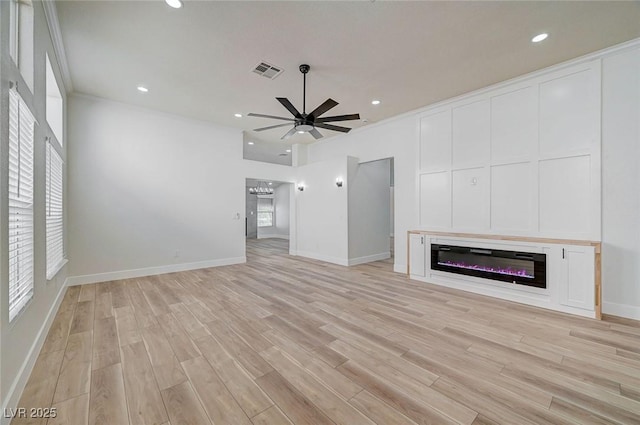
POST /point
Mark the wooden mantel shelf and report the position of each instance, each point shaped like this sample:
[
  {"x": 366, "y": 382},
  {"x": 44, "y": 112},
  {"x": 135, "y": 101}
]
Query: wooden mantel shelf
[{"x": 595, "y": 244}]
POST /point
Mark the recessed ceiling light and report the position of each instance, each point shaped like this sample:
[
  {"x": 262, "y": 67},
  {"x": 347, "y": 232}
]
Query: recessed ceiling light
[
  {"x": 142, "y": 89},
  {"x": 288, "y": 150},
  {"x": 270, "y": 184},
  {"x": 300, "y": 132},
  {"x": 538, "y": 38},
  {"x": 237, "y": 115},
  {"x": 375, "y": 102},
  {"x": 176, "y": 4},
  {"x": 249, "y": 143}
]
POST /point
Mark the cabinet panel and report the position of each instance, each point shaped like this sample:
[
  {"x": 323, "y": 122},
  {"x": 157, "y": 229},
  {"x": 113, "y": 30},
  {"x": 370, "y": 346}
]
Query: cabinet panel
[
  {"x": 565, "y": 196},
  {"x": 435, "y": 200},
  {"x": 511, "y": 198},
  {"x": 471, "y": 130},
  {"x": 568, "y": 114},
  {"x": 514, "y": 125},
  {"x": 435, "y": 141},
  {"x": 470, "y": 199},
  {"x": 417, "y": 255},
  {"x": 577, "y": 277}
]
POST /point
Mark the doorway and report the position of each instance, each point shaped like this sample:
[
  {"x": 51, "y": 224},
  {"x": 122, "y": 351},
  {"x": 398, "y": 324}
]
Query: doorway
[
  {"x": 371, "y": 212},
  {"x": 267, "y": 218}
]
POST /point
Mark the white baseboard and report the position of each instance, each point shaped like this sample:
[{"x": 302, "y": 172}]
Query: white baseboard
[
  {"x": 17, "y": 387},
  {"x": 328, "y": 259},
  {"x": 621, "y": 310},
  {"x": 369, "y": 258},
  {"x": 273, "y": 235},
  {"x": 151, "y": 271}
]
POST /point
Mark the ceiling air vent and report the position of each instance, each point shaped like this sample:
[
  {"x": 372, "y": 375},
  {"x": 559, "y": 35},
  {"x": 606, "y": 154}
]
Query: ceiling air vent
[{"x": 267, "y": 70}]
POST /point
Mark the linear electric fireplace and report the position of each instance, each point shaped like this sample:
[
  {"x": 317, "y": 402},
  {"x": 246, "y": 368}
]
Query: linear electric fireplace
[{"x": 524, "y": 268}]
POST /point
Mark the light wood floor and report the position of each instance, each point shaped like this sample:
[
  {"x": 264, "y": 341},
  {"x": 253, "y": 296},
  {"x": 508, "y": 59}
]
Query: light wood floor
[{"x": 283, "y": 340}]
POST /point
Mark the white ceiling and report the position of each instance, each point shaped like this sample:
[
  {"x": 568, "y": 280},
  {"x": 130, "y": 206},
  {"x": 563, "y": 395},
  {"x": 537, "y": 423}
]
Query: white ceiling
[
  {"x": 259, "y": 150},
  {"x": 197, "y": 60}
]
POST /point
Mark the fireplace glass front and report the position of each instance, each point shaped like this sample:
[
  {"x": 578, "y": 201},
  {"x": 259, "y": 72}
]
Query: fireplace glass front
[{"x": 524, "y": 268}]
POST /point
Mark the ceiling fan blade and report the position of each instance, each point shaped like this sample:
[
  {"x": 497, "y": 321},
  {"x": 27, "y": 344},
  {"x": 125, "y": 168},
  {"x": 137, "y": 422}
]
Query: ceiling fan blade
[
  {"x": 271, "y": 126},
  {"x": 333, "y": 127},
  {"x": 269, "y": 116},
  {"x": 328, "y": 104},
  {"x": 289, "y": 134},
  {"x": 315, "y": 133},
  {"x": 339, "y": 118},
  {"x": 285, "y": 102}
]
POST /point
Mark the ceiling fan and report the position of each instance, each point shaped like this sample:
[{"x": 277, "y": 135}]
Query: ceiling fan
[{"x": 303, "y": 122}]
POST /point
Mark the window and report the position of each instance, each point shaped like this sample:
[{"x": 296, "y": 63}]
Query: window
[
  {"x": 54, "y": 211},
  {"x": 54, "y": 103},
  {"x": 14, "y": 16},
  {"x": 21, "y": 38},
  {"x": 21, "y": 125},
  {"x": 265, "y": 212}
]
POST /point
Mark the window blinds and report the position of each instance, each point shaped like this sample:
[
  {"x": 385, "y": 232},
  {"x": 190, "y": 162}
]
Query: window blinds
[
  {"x": 265, "y": 212},
  {"x": 21, "y": 128},
  {"x": 54, "y": 211}
]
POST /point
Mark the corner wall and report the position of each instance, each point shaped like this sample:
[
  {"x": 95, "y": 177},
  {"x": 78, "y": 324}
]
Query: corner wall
[
  {"x": 397, "y": 139},
  {"x": 150, "y": 192},
  {"x": 369, "y": 212},
  {"x": 322, "y": 212},
  {"x": 282, "y": 209},
  {"x": 620, "y": 183}
]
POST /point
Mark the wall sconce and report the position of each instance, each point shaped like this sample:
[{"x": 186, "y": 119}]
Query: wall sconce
[
  {"x": 339, "y": 182},
  {"x": 300, "y": 187}
]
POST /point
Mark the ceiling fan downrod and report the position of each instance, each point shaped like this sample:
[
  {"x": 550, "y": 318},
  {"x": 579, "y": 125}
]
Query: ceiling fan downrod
[{"x": 304, "y": 68}]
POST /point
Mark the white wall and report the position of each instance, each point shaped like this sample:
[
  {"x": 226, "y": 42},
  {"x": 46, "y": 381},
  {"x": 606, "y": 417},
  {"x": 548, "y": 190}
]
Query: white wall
[
  {"x": 620, "y": 184},
  {"x": 21, "y": 340},
  {"x": 369, "y": 211},
  {"x": 396, "y": 138},
  {"x": 522, "y": 158},
  {"x": 322, "y": 211},
  {"x": 151, "y": 192},
  {"x": 281, "y": 197}
]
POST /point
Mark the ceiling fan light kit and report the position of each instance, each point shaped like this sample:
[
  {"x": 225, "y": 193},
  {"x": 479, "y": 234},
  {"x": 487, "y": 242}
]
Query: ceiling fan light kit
[{"x": 307, "y": 123}]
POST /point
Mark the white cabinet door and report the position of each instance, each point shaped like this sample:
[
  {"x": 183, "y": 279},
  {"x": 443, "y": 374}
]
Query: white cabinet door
[
  {"x": 417, "y": 255},
  {"x": 577, "y": 277}
]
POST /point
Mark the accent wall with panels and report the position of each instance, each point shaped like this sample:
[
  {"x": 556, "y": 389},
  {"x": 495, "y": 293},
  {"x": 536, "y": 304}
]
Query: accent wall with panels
[{"x": 522, "y": 158}]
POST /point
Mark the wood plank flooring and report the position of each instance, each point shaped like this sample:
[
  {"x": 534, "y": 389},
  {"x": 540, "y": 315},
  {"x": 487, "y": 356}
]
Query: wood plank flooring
[{"x": 287, "y": 340}]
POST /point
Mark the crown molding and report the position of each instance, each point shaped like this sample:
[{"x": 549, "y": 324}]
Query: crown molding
[{"x": 51, "y": 13}]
